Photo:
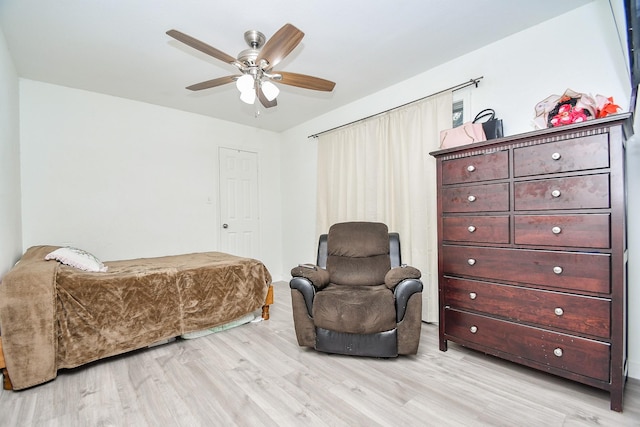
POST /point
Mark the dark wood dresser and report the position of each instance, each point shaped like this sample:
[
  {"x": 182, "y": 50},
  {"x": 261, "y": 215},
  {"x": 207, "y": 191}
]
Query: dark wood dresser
[{"x": 532, "y": 253}]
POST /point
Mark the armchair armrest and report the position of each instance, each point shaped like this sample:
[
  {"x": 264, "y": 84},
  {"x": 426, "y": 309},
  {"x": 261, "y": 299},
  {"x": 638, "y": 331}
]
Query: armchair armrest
[
  {"x": 308, "y": 291},
  {"x": 398, "y": 274},
  {"x": 319, "y": 277},
  {"x": 403, "y": 291},
  {"x": 307, "y": 278}
]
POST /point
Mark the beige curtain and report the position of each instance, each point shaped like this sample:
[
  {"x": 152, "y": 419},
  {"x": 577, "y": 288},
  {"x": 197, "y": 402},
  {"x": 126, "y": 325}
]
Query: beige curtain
[{"x": 379, "y": 169}]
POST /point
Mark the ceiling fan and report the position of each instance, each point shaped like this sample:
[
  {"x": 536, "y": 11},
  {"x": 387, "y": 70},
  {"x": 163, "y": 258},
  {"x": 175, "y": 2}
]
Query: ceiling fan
[{"x": 256, "y": 65}]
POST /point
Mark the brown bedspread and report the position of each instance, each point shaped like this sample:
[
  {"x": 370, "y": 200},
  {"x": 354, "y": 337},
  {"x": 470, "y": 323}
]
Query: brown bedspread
[{"x": 53, "y": 316}]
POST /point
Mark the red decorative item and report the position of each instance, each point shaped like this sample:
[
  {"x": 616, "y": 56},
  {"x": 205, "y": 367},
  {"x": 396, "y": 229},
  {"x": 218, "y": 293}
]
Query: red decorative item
[
  {"x": 608, "y": 108},
  {"x": 568, "y": 114},
  {"x": 572, "y": 107}
]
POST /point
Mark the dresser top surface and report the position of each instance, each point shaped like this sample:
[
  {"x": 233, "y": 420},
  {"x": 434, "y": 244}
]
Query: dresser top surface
[{"x": 624, "y": 119}]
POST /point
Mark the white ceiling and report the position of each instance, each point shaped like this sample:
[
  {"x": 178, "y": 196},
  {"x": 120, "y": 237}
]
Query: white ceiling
[{"x": 119, "y": 47}]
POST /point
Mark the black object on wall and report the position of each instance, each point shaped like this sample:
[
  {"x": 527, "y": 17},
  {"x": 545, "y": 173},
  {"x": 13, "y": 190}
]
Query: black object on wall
[{"x": 632, "y": 12}]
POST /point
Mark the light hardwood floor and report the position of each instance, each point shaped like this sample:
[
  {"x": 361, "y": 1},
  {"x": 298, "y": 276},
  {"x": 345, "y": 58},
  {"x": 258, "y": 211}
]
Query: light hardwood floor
[{"x": 256, "y": 375}]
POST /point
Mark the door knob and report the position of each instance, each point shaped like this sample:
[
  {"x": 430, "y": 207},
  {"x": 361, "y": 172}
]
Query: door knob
[{"x": 225, "y": 225}]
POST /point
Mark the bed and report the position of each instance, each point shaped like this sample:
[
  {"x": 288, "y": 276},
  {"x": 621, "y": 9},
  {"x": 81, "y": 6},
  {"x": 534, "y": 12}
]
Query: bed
[{"x": 55, "y": 316}]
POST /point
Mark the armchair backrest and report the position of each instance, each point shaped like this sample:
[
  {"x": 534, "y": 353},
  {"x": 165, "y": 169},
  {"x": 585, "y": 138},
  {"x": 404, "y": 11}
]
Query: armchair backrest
[
  {"x": 358, "y": 253},
  {"x": 394, "y": 251}
]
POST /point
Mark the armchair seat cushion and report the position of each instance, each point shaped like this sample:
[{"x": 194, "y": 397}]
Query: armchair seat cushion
[{"x": 355, "y": 309}]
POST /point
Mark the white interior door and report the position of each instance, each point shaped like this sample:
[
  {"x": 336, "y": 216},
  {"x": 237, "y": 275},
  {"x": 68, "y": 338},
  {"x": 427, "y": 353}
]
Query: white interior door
[{"x": 239, "y": 215}]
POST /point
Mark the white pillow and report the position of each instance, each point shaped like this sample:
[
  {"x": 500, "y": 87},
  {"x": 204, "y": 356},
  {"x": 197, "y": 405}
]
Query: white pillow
[{"x": 77, "y": 258}]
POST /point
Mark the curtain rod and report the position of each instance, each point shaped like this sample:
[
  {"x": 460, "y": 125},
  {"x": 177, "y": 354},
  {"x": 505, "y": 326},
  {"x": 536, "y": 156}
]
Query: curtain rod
[{"x": 452, "y": 88}]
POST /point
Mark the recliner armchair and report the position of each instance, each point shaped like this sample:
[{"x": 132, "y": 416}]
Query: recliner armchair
[{"x": 358, "y": 299}]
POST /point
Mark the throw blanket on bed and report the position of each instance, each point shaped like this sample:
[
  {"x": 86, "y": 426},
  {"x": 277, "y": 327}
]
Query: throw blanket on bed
[{"x": 53, "y": 316}]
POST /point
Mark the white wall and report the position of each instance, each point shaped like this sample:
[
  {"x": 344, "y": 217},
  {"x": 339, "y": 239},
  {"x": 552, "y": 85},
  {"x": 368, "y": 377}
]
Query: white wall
[
  {"x": 518, "y": 71},
  {"x": 10, "y": 225},
  {"x": 125, "y": 179}
]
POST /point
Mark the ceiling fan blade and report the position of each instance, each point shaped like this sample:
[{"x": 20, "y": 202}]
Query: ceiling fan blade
[
  {"x": 280, "y": 45},
  {"x": 201, "y": 46},
  {"x": 213, "y": 83},
  {"x": 263, "y": 99},
  {"x": 306, "y": 82}
]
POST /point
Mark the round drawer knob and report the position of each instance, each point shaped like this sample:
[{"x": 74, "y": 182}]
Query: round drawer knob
[
  {"x": 556, "y": 230},
  {"x": 557, "y": 269},
  {"x": 558, "y": 311},
  {"x": 555, "y": 193},
  {"x": 473, "y": 329},
  {"x": 473, "y": 295},
  {"x": 558, "y": 352},
  {"x": 471, "y": 198},
  {"x": 471, "y": 228},
  {"x": 471, "y": 168},
  {"x": 471, "y": 261},
  {"x": 556, "y": 156}
]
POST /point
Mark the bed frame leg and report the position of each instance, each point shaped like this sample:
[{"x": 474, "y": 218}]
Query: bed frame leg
[
  {"x": 3, "y": 366},
  {"x": 7, "y": 381},
  {"x": 267, "y": 302}
]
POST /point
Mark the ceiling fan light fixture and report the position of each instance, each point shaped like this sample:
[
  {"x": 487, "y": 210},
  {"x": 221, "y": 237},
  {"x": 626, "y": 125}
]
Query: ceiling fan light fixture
[
  {"x": 270, "y": 90},
  {"x": 245, "y": 83},
  {"x": 248, "y": 96}
]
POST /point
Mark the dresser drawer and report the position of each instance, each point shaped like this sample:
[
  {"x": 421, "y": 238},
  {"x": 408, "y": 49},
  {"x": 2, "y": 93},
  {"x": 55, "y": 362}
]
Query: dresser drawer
[
  {"x": 574, "y": 313},
  {"x": 476, "y": 168},
  {"x": 476, "y": 198},
  {"x": 587, "y": 272},
  {"x": 591, "y": 152},
  {"x": 577, "y": 192},
  {"x": 567, "y": 352},
  {"x": 476, "y": 229},
  {"x": 588, "y": 231}
]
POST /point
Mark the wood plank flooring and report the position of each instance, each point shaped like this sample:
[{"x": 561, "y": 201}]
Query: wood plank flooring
[{"x": 256, "y": 375}]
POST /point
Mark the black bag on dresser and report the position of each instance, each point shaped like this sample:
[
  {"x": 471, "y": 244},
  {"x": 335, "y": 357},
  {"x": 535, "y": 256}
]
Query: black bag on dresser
[{"x": 492, "y": 126}]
